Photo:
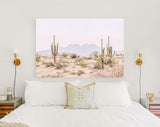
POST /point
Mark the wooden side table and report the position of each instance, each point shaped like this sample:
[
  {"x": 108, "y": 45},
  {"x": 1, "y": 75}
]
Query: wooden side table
[
  {"x": 8, "y": 106},
  {"x": 152, "y": 106}
]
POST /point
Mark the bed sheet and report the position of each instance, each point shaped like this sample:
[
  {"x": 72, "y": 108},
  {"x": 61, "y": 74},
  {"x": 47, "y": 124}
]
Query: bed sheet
[{"x": 104, "y": 116}]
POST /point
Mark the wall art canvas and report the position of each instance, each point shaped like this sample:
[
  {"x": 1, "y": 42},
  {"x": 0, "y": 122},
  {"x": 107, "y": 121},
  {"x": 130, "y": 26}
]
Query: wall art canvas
[{"x": 79, "y": 48}]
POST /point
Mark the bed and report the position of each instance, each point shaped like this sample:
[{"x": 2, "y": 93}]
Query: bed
[
  {"x": 104, "y": 116},
  {"x": 51, "y": 115}
]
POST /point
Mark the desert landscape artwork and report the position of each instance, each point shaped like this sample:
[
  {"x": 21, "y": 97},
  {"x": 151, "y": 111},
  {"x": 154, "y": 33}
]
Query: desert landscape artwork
[{"x": 79, "y": 48}]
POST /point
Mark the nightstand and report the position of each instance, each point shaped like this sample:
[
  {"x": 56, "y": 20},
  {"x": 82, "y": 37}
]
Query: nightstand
[
  {"x": 8, "y": 106},
  {"x": 152, "y": 106}
]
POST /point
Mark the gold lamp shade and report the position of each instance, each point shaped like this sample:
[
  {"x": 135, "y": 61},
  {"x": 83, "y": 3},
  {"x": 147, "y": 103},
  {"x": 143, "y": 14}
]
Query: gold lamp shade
[
  {"x": 17, "y": 62},
  {"x": 139, "y": 60}
]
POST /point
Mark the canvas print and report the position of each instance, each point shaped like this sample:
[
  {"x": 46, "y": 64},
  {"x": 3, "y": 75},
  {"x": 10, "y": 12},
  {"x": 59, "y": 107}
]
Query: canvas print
[{"x": 79, "y": 48}]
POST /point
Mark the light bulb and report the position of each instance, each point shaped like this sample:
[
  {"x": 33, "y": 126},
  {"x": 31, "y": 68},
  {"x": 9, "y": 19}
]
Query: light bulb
[{"x": 15, "y": 51}]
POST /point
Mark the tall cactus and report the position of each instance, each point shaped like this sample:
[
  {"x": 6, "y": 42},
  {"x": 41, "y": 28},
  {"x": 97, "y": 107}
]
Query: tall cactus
[
  {"x": 109, "y": 49},
  {"x": 102, "y": 53},
  {"x": 110, "y": 52},
  {"x": 102, "y": 49},
  {"x": 54, "y": 49}
]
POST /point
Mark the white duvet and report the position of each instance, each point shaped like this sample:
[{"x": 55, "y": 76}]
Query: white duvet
[{"x": 104, "y": 116}]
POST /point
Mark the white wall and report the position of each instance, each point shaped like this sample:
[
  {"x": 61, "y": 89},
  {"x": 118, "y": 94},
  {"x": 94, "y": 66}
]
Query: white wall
[{"x": 142, "y": 31}]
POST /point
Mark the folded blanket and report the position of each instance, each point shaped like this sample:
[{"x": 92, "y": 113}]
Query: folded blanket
[{"x": 12, "y": 124}]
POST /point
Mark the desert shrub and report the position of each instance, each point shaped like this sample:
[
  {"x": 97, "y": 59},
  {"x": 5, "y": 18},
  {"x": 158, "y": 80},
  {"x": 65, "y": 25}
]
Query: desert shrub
[
  {"x": 48, "y": 75},
  {"x": 113, "y": 60},
  {"x": 116, "y": 71},
  {"x": 65, "y": 61},
  {"x": 111, "y": 65},
  {"x": 64, "y": 54},
  {"x": 97, "y": 65},
  {"x": 65, "y": 71},
  {"x": 110, "y": 60},
  {"x": 50, "y": 64},
  {"x": 80, "y": 72},
  {"x": 98, "y": 59},
  {"x": 43, "y": 62},
  {"x": 89, "y": 57},
  {"x": 38, "y": 57},
  {"x": 58, "y": 66},
  {"x": 37, "y": 65},
  {"x": 107, "y": 60},
  {"x": 65, "y": 65},
  {"x": 73, "y": 56},
  {"x": 77, "y": 60},
  {"x": 82, "y": 64},
  {"x": 72, "y": 73}
]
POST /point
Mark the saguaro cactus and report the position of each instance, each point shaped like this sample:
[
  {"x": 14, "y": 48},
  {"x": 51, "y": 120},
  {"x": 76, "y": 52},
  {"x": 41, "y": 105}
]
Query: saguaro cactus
[
  {"x": 102, "y": 54},
  {"x": 54, "y": 49},
  {"x": 109, "y": 48},
  {"x": 102, "y": 49},
  {"x": 110, "y": 52}
]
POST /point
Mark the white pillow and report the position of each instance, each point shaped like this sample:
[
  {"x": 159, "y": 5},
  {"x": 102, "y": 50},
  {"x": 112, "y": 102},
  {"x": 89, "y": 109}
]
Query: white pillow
[
  {"x": 80, "y": 98},
  {"x": 112, "y": 93},
  {"x": 45, "y": 93},
  {"x": 76, "y": 83},
  {"x": 79, "y": 83}
]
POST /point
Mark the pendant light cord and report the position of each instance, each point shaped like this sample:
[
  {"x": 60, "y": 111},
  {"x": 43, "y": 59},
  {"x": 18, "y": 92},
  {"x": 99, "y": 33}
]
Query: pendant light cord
[
  {"x": 140, "y": 85},
  {"x": 14, "y": 91}
]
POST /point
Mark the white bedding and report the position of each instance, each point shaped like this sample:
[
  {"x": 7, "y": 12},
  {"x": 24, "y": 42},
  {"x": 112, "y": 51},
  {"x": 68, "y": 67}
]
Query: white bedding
[{"x": 105, "y": 116}]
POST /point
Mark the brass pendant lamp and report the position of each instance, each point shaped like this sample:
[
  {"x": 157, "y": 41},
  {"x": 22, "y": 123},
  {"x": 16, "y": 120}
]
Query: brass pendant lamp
[
  {"x": 16, "y": 62},
  {"x": 139, "y": 62}
]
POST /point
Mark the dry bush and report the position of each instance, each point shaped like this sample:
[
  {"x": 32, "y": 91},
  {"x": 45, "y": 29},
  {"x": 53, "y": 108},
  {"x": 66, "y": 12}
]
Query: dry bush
[
  {"x": 58, "y": 66},
  {"x": 65, "y": 65},
  {"x": 73, "y": 56},
  {"x": 108, "y": 60},
  {"x": 117, "y": 71},
  {"x": 64, "y": 54},
  {"x": 97, "y": 65},
  {"x": 80, "y": 72},
  {"x": 89, "y": 57},
  {"x": 113, "y": 60},
  {"x": 37, "y": 65},
  {"x": 65, "y": 61},
  {"x": 44, "y": 63},
  {"x": 38, "y": 57},
  {"x": 98, "y": 59},
  {"x": 58, "y": 74},
  {"x": 65, "y": 71},
  {"x": 50, "y": 64},
  {"x": 111, "y": 65},
  {"x": 45, "y": 57},
  {"x": 77, "y": 60},
  {"x": 82, "y": 64},
  {"x": 48, "y": 76},
  {"x": 73, "y": 73}
]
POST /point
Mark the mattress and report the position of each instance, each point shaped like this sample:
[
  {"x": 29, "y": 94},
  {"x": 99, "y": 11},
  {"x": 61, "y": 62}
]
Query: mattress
[{"x": 104, "y": 116}]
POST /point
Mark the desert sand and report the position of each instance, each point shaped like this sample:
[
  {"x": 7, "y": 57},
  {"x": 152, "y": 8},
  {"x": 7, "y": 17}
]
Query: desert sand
[{"x": 72, "y": 65}]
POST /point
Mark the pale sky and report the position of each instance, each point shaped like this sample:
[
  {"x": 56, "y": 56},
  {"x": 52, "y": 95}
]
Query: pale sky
[{"x": 79, "y": 31}]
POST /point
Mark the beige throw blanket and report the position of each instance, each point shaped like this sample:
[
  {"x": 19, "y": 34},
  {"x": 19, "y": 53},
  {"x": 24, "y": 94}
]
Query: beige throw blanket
[{"x": 12, "y": 124}]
